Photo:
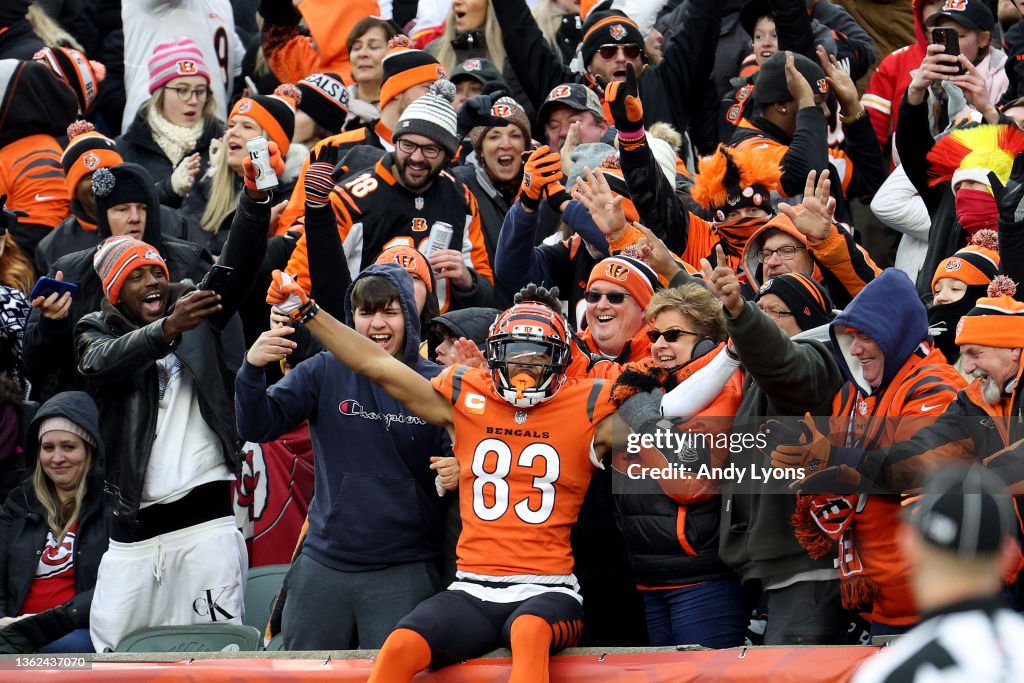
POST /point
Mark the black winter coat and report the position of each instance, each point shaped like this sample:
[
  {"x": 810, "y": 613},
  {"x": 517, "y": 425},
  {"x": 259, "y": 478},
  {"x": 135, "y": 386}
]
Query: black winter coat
[
  {"x": 118, "y": 361},
  {"x": 71, "y": 236},
  {"x": 492, "y": 205},
  {"x": 137, "y": 146},
  {"x": 23, "y": 531},
  {"x": 671, "y": 91},
  {"x": 23, "y": 525},
  {"x": 48, "y": 356}
]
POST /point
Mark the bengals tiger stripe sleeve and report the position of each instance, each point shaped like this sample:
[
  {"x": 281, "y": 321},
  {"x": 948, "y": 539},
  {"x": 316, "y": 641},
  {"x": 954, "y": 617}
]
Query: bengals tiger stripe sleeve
[
  {"x": 33, "y": 179},
  {"x": 346, "y": 215},
  {"x": 846, "y": 260}
]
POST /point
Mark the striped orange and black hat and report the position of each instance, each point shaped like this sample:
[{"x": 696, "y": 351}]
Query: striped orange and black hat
[
  {"x": 82, "y": 74},
  {"x": 88, "y": 150},
  {"x": 404, "y": 67},
  {"x": 996, "y": 320},
  {"x": 807, "y": 300}
]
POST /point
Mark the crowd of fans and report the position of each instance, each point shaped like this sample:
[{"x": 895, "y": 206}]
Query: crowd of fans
[{"x": 498, "y": 229}]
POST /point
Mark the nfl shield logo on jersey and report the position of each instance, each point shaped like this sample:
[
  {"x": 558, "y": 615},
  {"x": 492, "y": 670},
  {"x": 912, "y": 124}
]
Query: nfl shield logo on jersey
[
  {"x": 520, "y": 417},
  {"x": 418, "y": 203}
]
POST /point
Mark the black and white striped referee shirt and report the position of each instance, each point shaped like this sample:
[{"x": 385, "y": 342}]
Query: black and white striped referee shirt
[{"x": 975, "y": 641}]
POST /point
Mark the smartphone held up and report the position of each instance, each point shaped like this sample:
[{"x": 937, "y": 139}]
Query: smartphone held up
[{"x": 949, "y": 39}]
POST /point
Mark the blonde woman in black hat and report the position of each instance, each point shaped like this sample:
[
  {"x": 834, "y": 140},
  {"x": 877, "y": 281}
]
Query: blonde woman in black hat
[{"x": 471, "y": 30}]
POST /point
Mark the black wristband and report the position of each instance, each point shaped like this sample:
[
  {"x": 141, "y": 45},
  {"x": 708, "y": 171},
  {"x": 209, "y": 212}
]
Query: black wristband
[
  {"x": 528, "y": 202},
  {"x": 559, "y": 197},
  {"x": 304, "y": 314}
]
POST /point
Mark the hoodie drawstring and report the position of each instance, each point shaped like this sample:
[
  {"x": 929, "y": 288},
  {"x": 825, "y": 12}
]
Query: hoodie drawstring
[{"x": 158, "y": 561}]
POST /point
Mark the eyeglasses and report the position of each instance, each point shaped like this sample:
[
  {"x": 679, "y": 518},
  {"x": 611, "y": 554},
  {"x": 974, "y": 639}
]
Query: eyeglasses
[
  {"x": 775, "y": 313},
  {"x": 784, "y": 253},
  {"x": 671, "y": 336},
  {"x": 186, "y": 93},
  {"x": 410, "y": 147},
  {"x": 614, "y": 298},
  {"x": 630, "y": 51}
]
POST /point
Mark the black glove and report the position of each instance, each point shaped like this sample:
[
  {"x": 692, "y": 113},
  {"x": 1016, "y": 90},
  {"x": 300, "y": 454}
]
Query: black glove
[
  {"x": 777, "y": 433},
  {"x": 476, "y": 111},
  {"x": 319, "y": 180},
  {"x": 841, "y": 480},
  {"x": 280, "y": 12},
  {"x": 623, "y": 98},
  {"x": 1010, "y": 197},
  {"x": 31, "y": 633},
  {"x": 8, "y": 218}
]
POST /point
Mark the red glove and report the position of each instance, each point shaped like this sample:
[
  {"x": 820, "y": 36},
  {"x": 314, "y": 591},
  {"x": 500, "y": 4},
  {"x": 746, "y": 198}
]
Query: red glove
[
  {"x": 276, "y": 162},
  {"x": 543, "y": 168},
  {"x": 285, "y": 293}
]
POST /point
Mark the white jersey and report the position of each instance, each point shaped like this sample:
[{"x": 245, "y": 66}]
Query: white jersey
[
  {"x": 971, "y": 642},
  {"x": 148, "y": 23}
]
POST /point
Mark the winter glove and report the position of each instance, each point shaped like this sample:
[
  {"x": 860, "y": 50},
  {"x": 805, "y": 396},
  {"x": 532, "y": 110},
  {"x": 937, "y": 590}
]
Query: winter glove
[
  {"x": 811, "y": 452},
  {"x": 623, "y": 98},
  {"x": 29, "y": 634},
  {"x": 557, "y": 195},
  {"x": 543, "y": 168},
  {"x": 185, "y": 175},
  {"x": 280, "y": 12},
  {"x": 476, "y": 111},
  {"x": 1010, "y": 197},
  {"x": 319, "y": 179},
  {"x": 841, "y": 480},
  {"x": 285, "y": 293},
  {"x": 276, "y": 162},
  {"x": 641, "y": 408}
]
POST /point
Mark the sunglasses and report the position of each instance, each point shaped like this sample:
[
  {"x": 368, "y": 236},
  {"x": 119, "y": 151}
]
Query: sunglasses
[
  {"x": 671, "y": 336},
  {"x": 609, "y": 51},
  {"x": 614, "y": 298}
]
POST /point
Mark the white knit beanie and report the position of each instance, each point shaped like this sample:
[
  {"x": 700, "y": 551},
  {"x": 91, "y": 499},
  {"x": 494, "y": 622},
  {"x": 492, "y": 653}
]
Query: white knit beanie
[
  {"x": 433, "y": 117},
  {"x": 63, "y": 424}
]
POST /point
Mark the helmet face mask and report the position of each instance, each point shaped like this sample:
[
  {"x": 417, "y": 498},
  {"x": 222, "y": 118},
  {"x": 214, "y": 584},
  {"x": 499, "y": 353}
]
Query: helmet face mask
[{"x": 528, "y": 352}]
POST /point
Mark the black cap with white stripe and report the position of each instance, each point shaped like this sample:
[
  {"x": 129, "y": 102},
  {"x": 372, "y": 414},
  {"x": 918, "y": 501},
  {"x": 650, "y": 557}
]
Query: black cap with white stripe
[{"x": 965, "y": 511}]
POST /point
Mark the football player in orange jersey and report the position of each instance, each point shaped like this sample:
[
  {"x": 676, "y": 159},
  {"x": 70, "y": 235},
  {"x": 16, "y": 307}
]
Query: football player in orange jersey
[{"x": 522, "y": 481}]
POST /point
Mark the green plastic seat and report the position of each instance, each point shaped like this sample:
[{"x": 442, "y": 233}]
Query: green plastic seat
[
  {"x": 261, "y": 588},
  {"x": 276, "y": 643},
  {"x": 192, "y": 638}
]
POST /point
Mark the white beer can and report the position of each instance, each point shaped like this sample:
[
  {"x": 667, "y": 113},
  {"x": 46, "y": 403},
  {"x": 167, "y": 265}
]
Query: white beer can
[
  {"x": 440, "y": 237},
  {"x": 266, "y": 177}
]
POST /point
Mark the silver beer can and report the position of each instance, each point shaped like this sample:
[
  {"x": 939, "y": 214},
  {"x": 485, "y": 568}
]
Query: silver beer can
[
  {"x": 440, "y": 237},
  {"x": 266, "y": 177}
]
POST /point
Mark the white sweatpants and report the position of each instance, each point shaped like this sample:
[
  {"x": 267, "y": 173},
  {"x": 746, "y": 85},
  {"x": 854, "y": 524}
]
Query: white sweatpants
[{"x": 194, "y": 575}]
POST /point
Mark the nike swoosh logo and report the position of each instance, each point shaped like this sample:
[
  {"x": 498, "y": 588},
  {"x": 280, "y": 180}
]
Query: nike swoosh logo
[
  {"x": 41, "y": 198},
  {"x": 925, "y": 407}
]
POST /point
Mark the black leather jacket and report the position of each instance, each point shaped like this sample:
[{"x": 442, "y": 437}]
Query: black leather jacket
[{"x": 118, "y": 360}]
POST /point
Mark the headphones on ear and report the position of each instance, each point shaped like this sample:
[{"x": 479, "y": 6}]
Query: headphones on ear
[{"x": 703, "y": 348}]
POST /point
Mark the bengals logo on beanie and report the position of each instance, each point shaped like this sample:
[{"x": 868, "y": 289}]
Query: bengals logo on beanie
[
  {"x": 412, "y": 261},
  {"x": 631, "y": 274},
  {"x": 618, "y": 272},
  {"x": 118, "y": 257}
]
